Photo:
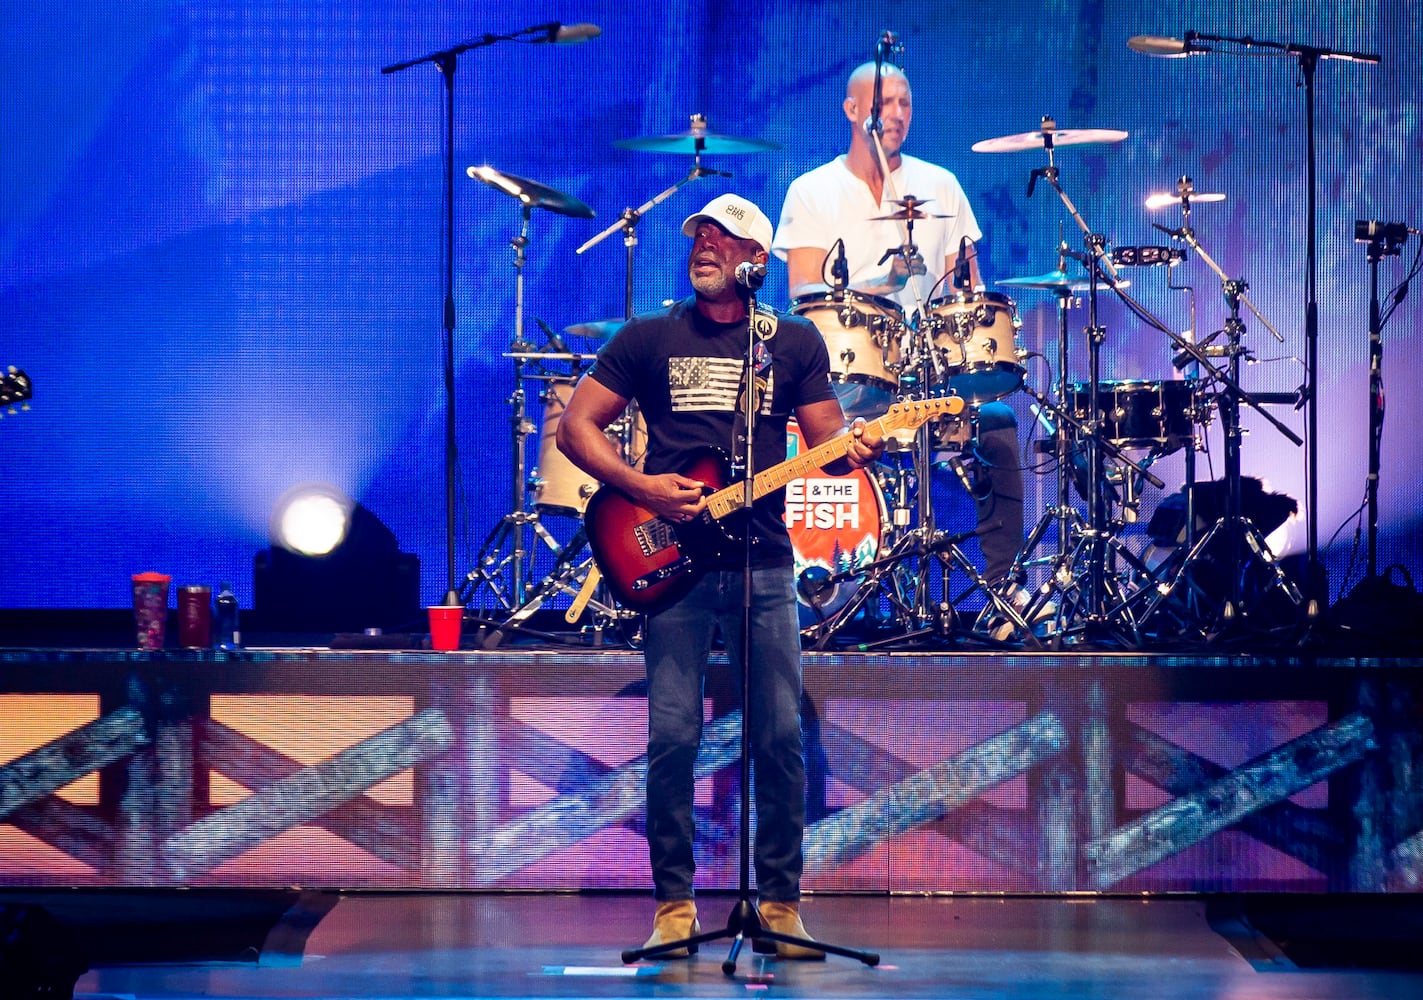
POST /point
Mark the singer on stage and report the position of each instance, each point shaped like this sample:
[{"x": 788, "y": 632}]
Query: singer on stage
[{"x": 685, "y": 367}]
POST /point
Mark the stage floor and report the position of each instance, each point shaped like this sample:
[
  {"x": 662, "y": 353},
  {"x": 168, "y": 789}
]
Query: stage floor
[{"x": 1041, "y": 947}]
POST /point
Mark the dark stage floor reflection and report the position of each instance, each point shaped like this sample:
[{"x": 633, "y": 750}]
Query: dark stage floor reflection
[{"x": 555, "y": 945}]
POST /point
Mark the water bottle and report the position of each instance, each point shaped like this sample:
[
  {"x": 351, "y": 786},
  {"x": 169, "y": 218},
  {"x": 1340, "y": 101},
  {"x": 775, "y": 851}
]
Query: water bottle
[{"x": 226, "y": 630}]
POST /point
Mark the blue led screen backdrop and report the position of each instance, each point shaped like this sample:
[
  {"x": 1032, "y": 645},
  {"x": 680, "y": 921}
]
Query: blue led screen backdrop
[{"x": 221, "y": 225}]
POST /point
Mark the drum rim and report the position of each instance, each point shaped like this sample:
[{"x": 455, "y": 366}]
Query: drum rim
[
  {"x": 849, "y": 295},
  {"x": 974, "y": 298}
]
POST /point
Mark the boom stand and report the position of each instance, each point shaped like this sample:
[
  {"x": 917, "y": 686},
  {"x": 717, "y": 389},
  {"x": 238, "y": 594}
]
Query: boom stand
[
  {"x": 447, "y": 60},
  {"x": 745, "y": 920}
]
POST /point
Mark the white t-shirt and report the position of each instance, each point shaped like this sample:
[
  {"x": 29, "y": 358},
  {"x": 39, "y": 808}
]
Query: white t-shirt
[{"x": 830, "y": 203}]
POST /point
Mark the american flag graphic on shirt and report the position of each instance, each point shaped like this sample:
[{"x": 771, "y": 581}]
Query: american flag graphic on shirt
[{"x": 710, "y": 384}]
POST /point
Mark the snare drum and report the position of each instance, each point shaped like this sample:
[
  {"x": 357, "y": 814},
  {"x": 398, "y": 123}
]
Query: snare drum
[
  {"x": 560, "y": 487},
  {"x": 862, "y": 333},
  {"x": 1140, "y": 414},
  {"x": 976, "y": 337},
  {"x": 836, "y": 524}
]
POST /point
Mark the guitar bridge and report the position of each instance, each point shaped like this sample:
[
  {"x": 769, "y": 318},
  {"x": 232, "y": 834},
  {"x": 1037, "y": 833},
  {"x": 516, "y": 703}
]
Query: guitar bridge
[{"x": 653, "y": 536}]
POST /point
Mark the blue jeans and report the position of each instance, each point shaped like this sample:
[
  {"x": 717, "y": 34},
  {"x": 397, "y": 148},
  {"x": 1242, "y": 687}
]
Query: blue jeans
[{"x": 678, "y": 644}]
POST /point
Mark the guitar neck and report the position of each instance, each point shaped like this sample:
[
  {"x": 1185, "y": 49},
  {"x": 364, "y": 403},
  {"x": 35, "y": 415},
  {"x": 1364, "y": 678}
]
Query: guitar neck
[{"x": 901, "y": 415}]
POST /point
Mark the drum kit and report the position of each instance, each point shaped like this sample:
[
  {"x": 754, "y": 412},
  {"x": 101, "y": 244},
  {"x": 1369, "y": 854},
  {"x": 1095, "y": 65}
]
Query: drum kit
[{"x": 861, "y": 552}]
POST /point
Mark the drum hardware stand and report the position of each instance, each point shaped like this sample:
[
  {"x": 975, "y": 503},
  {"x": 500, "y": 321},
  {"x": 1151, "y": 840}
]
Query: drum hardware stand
[
  {"x": 1238, "y": 531},
  {"x": 494, "y": 561}
]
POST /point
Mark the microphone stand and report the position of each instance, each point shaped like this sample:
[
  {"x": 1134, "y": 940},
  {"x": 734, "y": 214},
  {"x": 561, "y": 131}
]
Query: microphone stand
[
  {"x": 1308, "y": 57},
  {"x": 448, "y": 60},
  {"x": 745, "y": 920}
]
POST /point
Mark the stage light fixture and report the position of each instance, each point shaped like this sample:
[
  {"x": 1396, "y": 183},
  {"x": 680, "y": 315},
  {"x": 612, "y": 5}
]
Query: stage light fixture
[{"x": 332, "y": 566}]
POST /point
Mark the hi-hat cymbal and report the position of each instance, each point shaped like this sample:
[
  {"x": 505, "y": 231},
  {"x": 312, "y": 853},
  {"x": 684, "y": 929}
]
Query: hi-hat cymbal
[
  {"x": 598, "y": 329},
  {"x": 906, "y": 214},
  {"x": 1167, "y": 199},
  {"x": 531, "y": 193},
  {"x": 1039, "y": 139}
]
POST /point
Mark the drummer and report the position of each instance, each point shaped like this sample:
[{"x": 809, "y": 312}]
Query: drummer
[{"x": 841, "y": 201}]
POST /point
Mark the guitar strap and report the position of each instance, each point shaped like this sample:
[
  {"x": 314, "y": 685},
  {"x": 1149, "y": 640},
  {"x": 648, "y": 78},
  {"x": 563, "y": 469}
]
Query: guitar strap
[{"x": 766, "y": 323}]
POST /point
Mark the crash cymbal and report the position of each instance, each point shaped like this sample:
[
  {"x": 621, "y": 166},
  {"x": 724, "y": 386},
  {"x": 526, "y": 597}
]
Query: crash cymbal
[
  {"x": 695, "y": 141},
  {"x": 1168, "y": 199},
  {"x": 1039, "y": 139},
  {"x": 598, "y": 329},
  {"x": 531, "y": 193}
]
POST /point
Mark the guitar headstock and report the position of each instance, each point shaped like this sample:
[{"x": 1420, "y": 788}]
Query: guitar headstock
[
  {"x": 14, "y": 388},
  {"x": 909, "y": 414}
]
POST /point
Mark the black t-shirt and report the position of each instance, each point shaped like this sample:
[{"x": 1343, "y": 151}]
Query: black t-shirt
[{"x": 685, "y": 373}]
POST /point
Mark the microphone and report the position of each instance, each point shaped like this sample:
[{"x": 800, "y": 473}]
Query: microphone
[
  {"x": 963, "y": 275},
  {"x": 840, "y": 270},
  {"x": 564, "y": 34},
  {"x": 1165, "y": 48},
  {"x": 749, "y": 275},
  {"x": 1366, "y": 230}
]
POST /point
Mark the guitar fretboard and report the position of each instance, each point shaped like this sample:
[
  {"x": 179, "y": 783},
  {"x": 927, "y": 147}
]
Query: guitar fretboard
[{"x": 908, "y": 415}]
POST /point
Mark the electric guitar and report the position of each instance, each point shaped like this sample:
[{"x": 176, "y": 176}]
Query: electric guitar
[
  {"x": 14, "y": 387},
  {"x": 649, "y": 562}
]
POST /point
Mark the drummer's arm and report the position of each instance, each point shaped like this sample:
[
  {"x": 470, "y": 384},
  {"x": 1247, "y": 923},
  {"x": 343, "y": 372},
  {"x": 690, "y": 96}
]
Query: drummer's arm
[{"x": 805, "y": 274}]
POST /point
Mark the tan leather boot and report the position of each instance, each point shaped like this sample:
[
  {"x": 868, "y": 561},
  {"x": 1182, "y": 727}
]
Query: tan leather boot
[
  {"x": 784, "y": 918},
  {"x": 674, "y": 921}
]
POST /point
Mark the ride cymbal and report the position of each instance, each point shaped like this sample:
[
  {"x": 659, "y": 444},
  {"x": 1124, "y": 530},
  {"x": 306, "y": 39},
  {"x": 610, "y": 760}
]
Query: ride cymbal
[
  {"x": 531, "y": 193},
  {"x": 1048, "y": 135}
]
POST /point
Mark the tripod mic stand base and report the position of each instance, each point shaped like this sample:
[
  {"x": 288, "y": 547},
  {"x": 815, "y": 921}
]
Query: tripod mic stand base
[{"x": 745, "y": 921}]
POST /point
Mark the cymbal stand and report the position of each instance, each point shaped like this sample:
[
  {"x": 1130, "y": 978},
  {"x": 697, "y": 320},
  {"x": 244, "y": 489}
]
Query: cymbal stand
[
  {"x": 630, "y": 217},
  {"x": 501, "y": 568},
  {"x": 1238, "y": 532}
]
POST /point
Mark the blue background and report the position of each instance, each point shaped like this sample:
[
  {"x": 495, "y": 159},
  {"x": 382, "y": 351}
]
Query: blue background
[{"x": 220, "y": 238}]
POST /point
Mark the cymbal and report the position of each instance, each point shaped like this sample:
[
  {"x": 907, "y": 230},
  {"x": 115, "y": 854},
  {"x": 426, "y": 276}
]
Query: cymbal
[
  {"x": 1052, "y": 281},
  {"x": 695, "y": 141},
  {"x": 1037, "y": 139},
  {"x": 1167, "y": 199},
  {"x": 531, "y": 193},
  {"x": 1056, "y": 281},
  {"x": 908, "y": 213},
  {"x": 598, "y": 329}
]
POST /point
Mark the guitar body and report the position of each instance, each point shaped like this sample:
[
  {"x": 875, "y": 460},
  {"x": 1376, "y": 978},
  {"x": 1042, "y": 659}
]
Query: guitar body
[{"x": 649, "y": 562}]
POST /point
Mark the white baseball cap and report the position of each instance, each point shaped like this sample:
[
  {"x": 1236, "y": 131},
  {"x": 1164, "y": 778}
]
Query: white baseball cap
[{"x": 737, "y": 216}]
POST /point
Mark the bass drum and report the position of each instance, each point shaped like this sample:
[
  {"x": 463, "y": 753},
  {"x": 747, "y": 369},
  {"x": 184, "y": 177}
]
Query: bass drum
[{"x": 837, "y": 525}]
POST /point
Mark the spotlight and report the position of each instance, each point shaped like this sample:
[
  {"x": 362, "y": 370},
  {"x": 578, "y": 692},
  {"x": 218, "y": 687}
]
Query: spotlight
[
  {"x": 332, "y": 566},
  {"x": 312, "y": 519}
]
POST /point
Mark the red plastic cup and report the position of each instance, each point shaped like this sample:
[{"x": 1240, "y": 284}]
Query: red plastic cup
[{"x": 445, "y": 624}]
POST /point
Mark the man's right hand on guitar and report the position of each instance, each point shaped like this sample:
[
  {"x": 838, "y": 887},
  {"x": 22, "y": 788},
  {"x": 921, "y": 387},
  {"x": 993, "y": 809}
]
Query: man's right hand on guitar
[{"x": 674, "y": 497}]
